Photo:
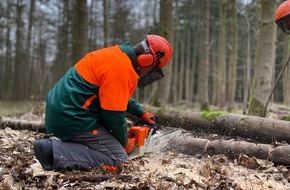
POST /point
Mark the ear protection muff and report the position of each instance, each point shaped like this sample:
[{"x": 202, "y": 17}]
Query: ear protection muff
[{"x": 146, "y": 59}]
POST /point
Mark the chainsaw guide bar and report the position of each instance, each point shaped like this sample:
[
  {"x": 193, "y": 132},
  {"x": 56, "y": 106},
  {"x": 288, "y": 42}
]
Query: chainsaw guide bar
[{"x": 152, "y": 142}]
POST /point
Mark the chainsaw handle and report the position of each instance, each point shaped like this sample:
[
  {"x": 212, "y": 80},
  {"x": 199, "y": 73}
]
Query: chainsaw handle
[{"x": 154, "y": 127}]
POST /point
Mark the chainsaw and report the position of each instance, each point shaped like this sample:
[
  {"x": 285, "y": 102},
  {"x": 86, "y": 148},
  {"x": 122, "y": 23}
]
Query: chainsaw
[{"x": 147, "y": 138}]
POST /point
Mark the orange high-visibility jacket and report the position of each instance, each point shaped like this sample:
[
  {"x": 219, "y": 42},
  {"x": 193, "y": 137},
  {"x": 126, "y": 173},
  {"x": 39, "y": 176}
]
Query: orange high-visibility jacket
[{"x": 96, "y": 91}]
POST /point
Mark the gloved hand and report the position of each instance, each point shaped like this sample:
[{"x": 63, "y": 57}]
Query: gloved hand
[
  {"x": 148, "y": 118},
  {"x": 130, "y": 145}
]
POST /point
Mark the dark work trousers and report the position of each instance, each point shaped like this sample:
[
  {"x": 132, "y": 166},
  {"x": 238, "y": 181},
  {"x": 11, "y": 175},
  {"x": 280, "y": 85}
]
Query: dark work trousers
[
  {"x": 88, "y": 150},
  {"x": 103, "y": 142}
]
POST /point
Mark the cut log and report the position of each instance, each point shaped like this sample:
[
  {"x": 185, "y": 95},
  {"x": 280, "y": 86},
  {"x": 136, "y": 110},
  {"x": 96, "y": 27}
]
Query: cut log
[
  {"x": 20, "y": 124},
  {"x": 97, "y": 178},
  {"x": 264, "y": 130},
  {"x": 230, "y": 148}
]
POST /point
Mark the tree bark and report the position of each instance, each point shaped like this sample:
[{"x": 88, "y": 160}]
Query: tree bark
[
  {"x": 264, "y": 67},
  {"x": 97, "y": 178},
  {"x": 166, "y": 30},
  {"x": 286, "y": 74},
  {"x": 80, "y": 34},
  {"x": 264, "y": 130},
  {"x": 106, "y": 28},
  {"x": 6, "y": 90},
  {"x": 202, "y": 92},
  {"x": 232, "y": 149},
  {"x": 221, "y": 57},
  {"x": 232, "y": 65},
  {"x": 19, "y": 64},
  {"x": 19, "y": 124}
]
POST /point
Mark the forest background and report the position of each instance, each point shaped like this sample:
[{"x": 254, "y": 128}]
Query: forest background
[{"x": 225, "y": 51}]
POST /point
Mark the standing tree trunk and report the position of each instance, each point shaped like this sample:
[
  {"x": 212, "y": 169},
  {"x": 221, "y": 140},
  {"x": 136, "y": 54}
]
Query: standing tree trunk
[
  {"x": 7, "y": 79},
  {"x": 28, "y": 47},
  {"x": 63, "y": 56},
  {"x": 181, "y": 66},
  {"x": 204, "y": 57},
  {"x": 232, "y": 65},
  {"x": 165, "y": 30},
  {"x": 20, "y": 65},
  {"x": 187, "y": 76},
  {"x": 286, "y": 74},
  {"x": 247, "y": 75},
  {"x": 262, "y": 81},
  {"x": 106, "y": 5},
  {"x": 80, "y": 33},
  {"x": 221, "y": 59},
  {"x": 175, "y": 59}
]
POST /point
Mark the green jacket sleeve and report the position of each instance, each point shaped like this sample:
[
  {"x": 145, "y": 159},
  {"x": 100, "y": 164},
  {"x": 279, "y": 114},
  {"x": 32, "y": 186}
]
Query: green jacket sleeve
[
  {"x": 115, "y": 122},
  {"x": 134, "y": 108}
]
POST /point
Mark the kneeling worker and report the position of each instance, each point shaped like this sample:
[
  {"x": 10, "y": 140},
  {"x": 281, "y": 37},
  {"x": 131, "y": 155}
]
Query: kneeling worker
[{"x": 86, "y": 108}]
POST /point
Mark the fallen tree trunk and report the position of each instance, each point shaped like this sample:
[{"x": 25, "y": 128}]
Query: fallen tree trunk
[
  {"x": 97, "y": 178},
  {"x": 230, "y": 148},
  {"x": 265, "y": 130},
  {"x": 20, "y": 124}
]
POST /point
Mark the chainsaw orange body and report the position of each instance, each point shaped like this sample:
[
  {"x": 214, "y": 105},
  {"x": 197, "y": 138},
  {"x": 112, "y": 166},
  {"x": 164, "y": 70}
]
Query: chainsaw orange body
[
  {"x": 146, "y": 139},
  {"x": 140, "y": 134}
]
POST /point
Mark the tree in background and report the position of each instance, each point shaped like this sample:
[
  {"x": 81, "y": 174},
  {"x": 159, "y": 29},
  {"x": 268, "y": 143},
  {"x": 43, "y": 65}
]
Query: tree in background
[
  {"x": 7, "y": 64},
  {"x": 63, "y": 58},
  {"x": 265, "y": 60},
  {"x": 204, "y": 57},
  {"x": 286, "y": 74},
  {"x": 106, "y": 7},
  {"x": 233, "y": 54},
  {"x": 165, "y": 30},
  {"x": 20, "y": 71},
  {"x": 220, "y": 77},
  {"x": 51, "y": 36},
  {"x": 80, "y": 30}
]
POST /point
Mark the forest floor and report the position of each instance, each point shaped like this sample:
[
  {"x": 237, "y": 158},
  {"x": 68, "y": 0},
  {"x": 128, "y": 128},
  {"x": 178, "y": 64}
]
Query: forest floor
[{"x": 163, "y": 169}]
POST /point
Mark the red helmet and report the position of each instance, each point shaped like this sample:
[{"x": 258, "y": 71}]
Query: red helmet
[
  {"x": 282, "y": 16},
  {"x": 160, "y": 49}
]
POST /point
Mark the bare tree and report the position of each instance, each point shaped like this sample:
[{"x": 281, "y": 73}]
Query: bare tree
[
  {"x": 28, "y": 49},
  {"x": 19, "y": 65},
  {"x": 106, "y": 7},
  {"x": 80, "y": 32},
  {"x": 7, "y": 71},
  {"x": 264, "y": 66},
  {"x": 286, "y": 74},
  {"x": 233, "y": 43},
  {"x": 62, "y": 60},
  {"x": 165, "y": 30},
  {"x": 176, "y": 43},
  {"x": 204, "y": 57},
  {"x": 221, "y": 57}
]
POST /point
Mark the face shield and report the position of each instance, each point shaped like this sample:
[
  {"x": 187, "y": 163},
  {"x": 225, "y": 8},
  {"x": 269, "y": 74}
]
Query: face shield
[{"x": 155, "y": 74}]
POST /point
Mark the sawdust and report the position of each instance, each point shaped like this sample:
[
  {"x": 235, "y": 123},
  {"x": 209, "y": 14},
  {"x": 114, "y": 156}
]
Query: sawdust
[
  {"x": 164, "y": 168},
  {"x": 216, "y": 171}
]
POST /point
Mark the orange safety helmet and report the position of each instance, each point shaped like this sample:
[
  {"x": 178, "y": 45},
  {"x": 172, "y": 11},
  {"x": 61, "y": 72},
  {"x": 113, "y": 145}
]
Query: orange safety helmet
[
  {"x": 160, "y": 49},
  {"x": 157, "y": 53},
  {"x": 282, "y": 16}
]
